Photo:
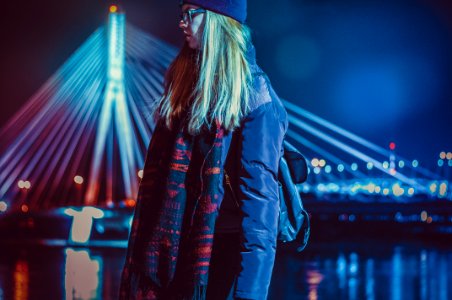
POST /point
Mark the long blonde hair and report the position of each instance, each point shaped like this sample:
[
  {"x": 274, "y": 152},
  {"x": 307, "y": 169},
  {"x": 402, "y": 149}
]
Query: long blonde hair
[{"x": 213, "y": 83}]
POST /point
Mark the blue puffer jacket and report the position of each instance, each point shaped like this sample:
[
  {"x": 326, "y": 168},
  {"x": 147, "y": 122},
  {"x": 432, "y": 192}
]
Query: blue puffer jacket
[{"x": 251, "y": 160}]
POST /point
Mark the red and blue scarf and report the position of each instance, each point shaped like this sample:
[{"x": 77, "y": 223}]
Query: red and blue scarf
[{"x": 170, "y": 243}]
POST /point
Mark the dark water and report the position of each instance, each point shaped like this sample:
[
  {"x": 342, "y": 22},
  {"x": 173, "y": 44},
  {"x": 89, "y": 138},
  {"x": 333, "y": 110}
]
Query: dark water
[{"x": 348, "y": 270}]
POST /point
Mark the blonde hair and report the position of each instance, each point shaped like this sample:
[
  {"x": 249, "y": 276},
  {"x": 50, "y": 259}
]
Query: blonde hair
[{"x": 211, "y": 84}]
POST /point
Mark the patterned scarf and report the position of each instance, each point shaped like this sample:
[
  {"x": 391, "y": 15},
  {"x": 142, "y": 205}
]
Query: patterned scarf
[{"x": 171, "y": 238}]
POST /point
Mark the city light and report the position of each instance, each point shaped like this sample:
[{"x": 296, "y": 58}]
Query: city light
[
  {"x": 3, "y": 206},
  {"x": 433, "y": 186},
  {"x": 354, "y": 166},
  {"x": 401, "y": 164},
  {"x": 113, "y": 8},
  {"x": 385, "y": 165},
  {"x": 317, "y": 170},
  {"x": 449, "y": 155},
  {"x": 82, "y": 222},
  {"x": 340, "y": 167},
  {"x": 21, "y": 184},
  {"x": 440, "y": 162},
  {"x": 78, "y": 179},
  {"x": 24, "y": 184},
  {"x": 27, "y": 185},
  {"x": 424, "y": 216},
  {"x": 415, "y": 163},
  {"x": 397, "y": 190},
  {"x": 315, "y": 162},
  {"x": 442, "y": 189},
  {"x": 24, "y": 208},
  {"x": 370, "y": 165},
  {"x": 130, "y": 202},
  {"x": 328, "y": 169},
  {"x": 355, "y": 188},
  {"x": 321, "y": 188},
  {"x": 333, "y": 187},
  {"x": 370, "y": 187},
  {"x": 322, "y": 163},
  {"x": 442, "y": 155}
]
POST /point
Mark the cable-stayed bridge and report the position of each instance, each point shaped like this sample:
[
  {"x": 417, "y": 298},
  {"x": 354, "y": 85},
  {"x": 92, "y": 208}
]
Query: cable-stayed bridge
[{"x": 81, "y": 139}]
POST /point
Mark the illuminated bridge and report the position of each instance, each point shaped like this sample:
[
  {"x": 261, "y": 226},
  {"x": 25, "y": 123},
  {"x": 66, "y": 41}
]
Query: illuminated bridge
[{"x": 81, "y": 139}]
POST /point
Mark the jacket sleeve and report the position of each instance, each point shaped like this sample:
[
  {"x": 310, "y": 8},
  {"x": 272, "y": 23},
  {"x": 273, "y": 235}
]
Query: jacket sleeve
[{"x": 262, "y": 136}]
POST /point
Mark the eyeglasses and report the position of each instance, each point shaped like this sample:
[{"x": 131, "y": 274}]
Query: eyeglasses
[{"x": 187, "y": 16}]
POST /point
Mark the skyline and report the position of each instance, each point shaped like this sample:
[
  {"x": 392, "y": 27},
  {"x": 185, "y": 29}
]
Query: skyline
[{"x": 336, "y": 80}]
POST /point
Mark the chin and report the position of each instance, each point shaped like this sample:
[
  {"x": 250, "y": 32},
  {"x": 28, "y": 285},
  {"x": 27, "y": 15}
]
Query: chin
[{"x": 193, "y": 46}]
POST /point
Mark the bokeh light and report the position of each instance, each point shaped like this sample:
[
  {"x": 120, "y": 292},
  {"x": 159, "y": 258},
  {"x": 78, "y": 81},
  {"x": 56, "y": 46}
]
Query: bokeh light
[
  {"x": 113, "y": 8},
  {"x": 3, "y": 206},
  {"x": 424, "y": 216},
  {"x": 315, "y": 162},
  {"x": 78, "y": 179},
  {"x": 24, "y": 208},
  {"x": 328, "y": 169}
]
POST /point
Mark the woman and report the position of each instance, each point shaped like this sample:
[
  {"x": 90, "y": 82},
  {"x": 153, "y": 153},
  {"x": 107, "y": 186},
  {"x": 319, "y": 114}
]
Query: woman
[{"x": 206, "y": 220}]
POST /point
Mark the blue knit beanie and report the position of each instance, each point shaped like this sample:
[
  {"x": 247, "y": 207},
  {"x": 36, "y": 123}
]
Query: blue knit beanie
[{"x": 235, "y": 9}]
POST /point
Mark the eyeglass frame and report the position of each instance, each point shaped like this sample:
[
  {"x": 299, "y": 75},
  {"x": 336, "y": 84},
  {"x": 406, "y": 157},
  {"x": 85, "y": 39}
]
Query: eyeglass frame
[{"x": 187, "y": 16}]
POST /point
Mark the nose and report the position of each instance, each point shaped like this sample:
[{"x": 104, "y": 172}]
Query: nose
[{"x": 182, "y": 24}]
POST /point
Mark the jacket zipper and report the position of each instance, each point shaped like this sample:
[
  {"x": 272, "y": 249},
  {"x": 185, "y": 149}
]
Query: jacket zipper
[{"x": 228, "y": 182}]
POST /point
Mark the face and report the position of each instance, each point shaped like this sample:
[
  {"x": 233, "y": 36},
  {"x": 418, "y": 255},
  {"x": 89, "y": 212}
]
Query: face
[{"x": 192, "y": 29}]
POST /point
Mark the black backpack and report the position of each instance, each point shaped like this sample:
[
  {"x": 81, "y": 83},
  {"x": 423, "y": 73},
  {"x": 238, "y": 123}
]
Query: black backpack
[{"x": 293, "y": 218}]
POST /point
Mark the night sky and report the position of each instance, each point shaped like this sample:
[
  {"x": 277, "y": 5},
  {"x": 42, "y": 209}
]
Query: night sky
[{"x": 381, "y": 69}]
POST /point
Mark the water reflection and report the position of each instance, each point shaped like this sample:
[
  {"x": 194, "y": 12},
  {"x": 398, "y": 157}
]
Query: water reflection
[
  {"x": 82, "y": 275},
  {"x": 313, "y": 279},
  {"x": 369, "y": 279},
  {"x": 357, "y": 271},
  {"x": 21, "y": 280},
  {"x": 423, "y": 275},
  {"x": 323, "y": 271},
  {"x": 396, "y": 281},
  {"x": 353, "y": 274}
]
